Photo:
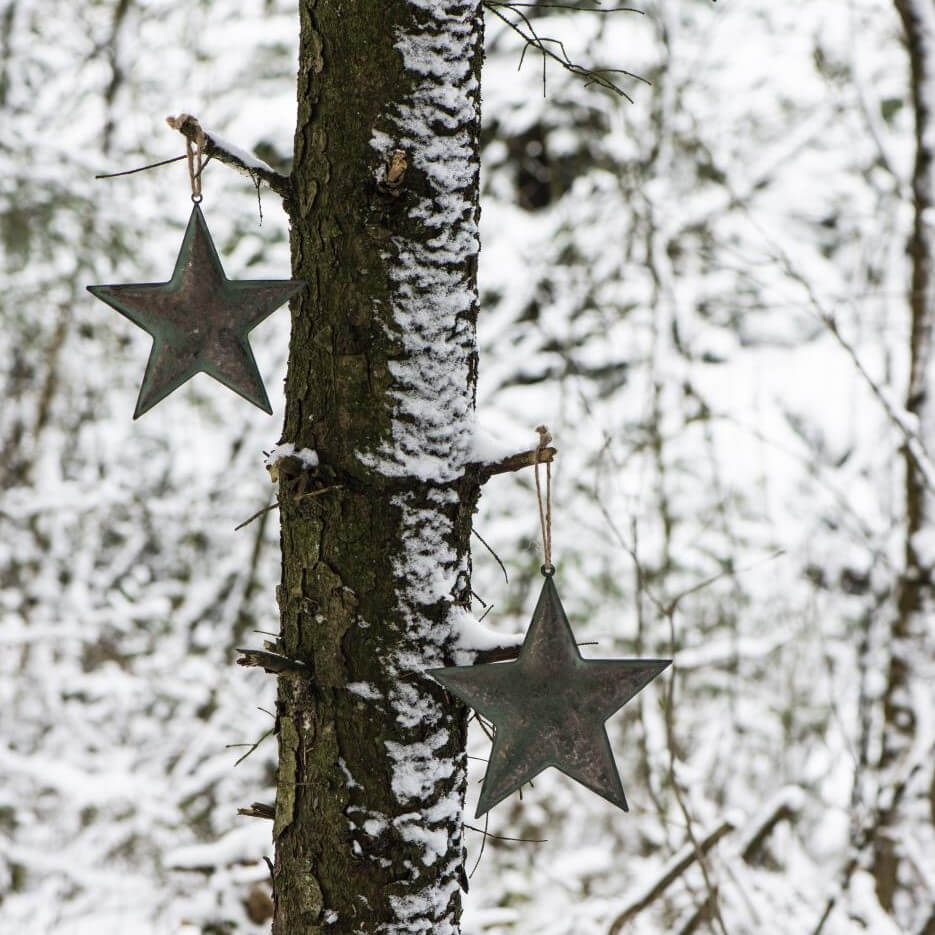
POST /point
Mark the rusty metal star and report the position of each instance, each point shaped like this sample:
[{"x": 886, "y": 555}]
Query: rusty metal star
[
  {"x": 199, "y": 320},
  {"x": 548, "y": 707}
]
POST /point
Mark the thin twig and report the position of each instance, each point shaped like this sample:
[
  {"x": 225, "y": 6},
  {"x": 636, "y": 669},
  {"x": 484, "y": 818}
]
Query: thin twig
[
  {"x": 494, "y": 554},
  {"x": 483, "y": 844},
  {"x": 256, "y": 515},
  {"x": 501, "y": 837},
  {"x": 272, "y": 506},
  {"x": 524, "y": 28},
  {"x": 152, "y": 165},
  {"x": 252, "y": 746}
]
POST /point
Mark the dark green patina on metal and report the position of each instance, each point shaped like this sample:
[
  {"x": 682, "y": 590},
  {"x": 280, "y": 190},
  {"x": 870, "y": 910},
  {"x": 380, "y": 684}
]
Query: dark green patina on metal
[
  {"x": 548, "y": 707},
  {"x": 199, "y": 320}
]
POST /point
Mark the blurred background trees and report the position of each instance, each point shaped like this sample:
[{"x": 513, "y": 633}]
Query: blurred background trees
[{"x": 705, "y": 293}]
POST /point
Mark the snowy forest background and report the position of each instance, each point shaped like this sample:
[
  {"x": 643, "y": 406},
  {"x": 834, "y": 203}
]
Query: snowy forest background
[{"x": 704, "y": 293}]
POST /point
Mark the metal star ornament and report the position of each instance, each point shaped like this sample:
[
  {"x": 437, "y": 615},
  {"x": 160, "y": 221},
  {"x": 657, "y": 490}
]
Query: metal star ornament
[
  {"x": 548, "y": 707},
  {"x": 199, "y": 320}
]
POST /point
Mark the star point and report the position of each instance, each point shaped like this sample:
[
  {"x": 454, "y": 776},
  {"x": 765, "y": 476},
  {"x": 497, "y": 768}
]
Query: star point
[{"x": 199, "y": 320}]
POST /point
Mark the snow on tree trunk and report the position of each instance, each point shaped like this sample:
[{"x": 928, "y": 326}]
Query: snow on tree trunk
[
  {"x": 915, "y": 605},
  {"x": 382, "y": 367}
]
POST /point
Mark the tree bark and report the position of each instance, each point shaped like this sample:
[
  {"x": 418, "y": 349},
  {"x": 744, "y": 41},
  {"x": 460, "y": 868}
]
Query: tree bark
[
  {"x": 914, "y": 603},
  {"x": 384, "y": 205}
]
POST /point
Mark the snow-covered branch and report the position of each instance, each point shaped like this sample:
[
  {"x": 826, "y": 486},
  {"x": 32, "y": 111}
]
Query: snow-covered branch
[
  {"x": 217, "y": 147},
  {"x": 516, "y": 462},
  {"x": 673, "y": 869},
  {"x": 476, "y": 643}
]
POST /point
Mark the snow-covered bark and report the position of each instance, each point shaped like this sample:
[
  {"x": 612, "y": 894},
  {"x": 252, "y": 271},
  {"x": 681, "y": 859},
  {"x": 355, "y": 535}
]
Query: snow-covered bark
[{"x": 381, "y": 385}]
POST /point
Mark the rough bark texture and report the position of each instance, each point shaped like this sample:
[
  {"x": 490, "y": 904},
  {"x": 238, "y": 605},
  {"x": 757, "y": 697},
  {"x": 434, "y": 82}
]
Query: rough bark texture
[
  {"x": 910, "y": 625},
  {"x": 367, "y": 826}
]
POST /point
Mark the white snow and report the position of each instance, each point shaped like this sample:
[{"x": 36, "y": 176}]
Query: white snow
[
  {"x": 472, "y": 636},
  {"x": 348, "y": 778},
  {"x": 365, "y": 690},
  {"x": 307, "y": 456},
  {"x": 248, "y": 159},
  {"x": 433, "y": 294},
  {"x": 416, "y": 768},
  {"x": 487, "y": 446}
]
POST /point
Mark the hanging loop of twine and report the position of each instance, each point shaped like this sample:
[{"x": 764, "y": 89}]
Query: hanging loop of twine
[
  {"x": 196, "y": 156},
  {"x": 545, "y": 509},
  {"x": 194, "y": 151}
]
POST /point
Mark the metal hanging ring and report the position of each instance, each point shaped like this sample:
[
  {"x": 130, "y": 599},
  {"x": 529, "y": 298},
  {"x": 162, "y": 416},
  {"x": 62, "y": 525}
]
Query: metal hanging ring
[
  {"x": 197, "y": 199},
  {"x": 547, "y": 570}
]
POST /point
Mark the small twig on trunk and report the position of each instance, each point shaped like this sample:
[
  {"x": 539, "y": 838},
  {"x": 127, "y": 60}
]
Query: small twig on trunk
[
  {"x": 270, "y": 662},
  {"x": 259, "y": 810},
  {"x": 232, "y": 155},
  {"x": 516, "y": 462},
  {"x": 501, "y": 837},
  {"x": 277, "y": 503},
  {"x": 252, "y": 746},
  {"x": 494, "y": 554}
]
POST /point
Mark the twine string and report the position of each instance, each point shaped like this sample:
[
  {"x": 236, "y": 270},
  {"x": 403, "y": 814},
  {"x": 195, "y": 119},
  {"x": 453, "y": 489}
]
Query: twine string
[
  {"x": 195, "y": 151},
  {"x": 545, "y": 509}
]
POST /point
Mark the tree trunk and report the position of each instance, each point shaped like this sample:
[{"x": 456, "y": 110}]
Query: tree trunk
[
  {"x": 914, "y": 605},
  {"x": 382, "y": 366}
]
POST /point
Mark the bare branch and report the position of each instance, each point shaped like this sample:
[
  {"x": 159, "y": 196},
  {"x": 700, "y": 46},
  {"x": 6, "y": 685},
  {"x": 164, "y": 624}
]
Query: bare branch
[
  {"x": 252, "y": 746},
  {"x": 494, "y": 554},
  {"x": 785, "y": 804},
  {"x": 523, "y": 27},
  {"x": 679, "y": 863}
]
